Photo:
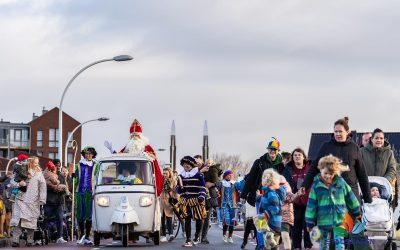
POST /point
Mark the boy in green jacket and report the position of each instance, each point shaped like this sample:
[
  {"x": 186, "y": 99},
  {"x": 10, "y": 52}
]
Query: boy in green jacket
[{"x": 330, "y": 198}]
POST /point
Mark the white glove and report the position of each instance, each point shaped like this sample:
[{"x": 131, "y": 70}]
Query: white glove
[{"x": 108, "y": 145}]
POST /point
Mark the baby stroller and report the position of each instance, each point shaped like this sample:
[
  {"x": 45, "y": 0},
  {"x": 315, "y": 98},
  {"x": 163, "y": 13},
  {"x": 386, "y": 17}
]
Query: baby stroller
[
  {"x": 41, "y": 234},
  {"x": 378, "y": 215}
]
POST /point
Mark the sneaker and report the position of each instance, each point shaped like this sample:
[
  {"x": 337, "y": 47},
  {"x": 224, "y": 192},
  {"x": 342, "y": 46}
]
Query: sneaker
[
  {"x": 225, "y": 239},
  {"x": 188, "y": 244},
  {"x": 171, "y": 238},
  {"x": 81, "y": 241},
  {"x": 38, "y": 243},
  {"x": 61, "y": 241},
  {"x": 196, "y": 240},
  {"x": 87, "y": 241},
  {"x": 230, "y": 240},
  {"x": 163, "y": 239}
]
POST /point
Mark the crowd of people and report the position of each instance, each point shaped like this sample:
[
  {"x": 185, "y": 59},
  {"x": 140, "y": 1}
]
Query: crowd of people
[{"x": 285, "y": 195}]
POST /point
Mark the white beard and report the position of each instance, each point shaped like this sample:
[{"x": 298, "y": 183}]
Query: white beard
[{"x": 136, "y": 146}]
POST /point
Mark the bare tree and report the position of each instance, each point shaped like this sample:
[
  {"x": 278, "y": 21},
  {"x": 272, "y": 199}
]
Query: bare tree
[{"x": 232, "y": 162}]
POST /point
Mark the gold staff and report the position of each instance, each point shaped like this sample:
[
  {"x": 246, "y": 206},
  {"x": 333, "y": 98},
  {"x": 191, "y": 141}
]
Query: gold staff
[{"x": 75, "y": 147}]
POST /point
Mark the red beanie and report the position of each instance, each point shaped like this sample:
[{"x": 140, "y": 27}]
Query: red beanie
[
  {"x": 22, "y": 157},
  {"x": 50, "y": 166}
]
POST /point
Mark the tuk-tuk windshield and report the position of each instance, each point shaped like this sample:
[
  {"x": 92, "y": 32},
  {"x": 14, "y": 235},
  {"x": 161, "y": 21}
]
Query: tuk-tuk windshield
[{"x": 125, "y": 173}]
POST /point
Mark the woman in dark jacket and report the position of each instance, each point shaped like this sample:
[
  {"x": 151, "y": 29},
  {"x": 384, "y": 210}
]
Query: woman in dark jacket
[
  {"x": 295, "y": 172},
  {"x": 378, "y": 157},
  {"x": 343, "y": 147}
]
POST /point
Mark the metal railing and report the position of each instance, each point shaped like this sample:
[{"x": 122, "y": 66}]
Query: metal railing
[{"x": 14, "y": 144}]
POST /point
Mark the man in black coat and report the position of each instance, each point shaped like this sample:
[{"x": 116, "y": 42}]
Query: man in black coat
[{"x": 272, "y": 159}]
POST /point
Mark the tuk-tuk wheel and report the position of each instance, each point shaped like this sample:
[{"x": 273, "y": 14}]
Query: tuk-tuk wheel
[
  {"x": 156, "y": 238},
  {"x": 96, "y": 238},
  {"x": 124, "y": 234}
]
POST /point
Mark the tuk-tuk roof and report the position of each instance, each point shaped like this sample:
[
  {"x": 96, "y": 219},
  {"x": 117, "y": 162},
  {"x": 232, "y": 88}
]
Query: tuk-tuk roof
[{"x": 125, "y": 157}]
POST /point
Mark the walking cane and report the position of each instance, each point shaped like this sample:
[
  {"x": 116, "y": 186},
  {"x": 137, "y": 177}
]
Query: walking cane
[{"x": 75, "y": 147}]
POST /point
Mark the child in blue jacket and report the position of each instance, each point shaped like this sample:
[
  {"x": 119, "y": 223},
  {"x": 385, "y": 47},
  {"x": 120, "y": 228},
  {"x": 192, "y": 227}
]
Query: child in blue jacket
[{"x": 271, "y": 206}]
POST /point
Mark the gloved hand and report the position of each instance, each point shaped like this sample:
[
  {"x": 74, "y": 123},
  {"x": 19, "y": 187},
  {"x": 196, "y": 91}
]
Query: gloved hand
[
  {"x": 200, "y": 199},
  {"x": 108, "y": 145}
]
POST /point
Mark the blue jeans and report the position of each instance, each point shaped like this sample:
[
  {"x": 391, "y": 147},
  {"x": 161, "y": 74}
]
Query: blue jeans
[
  {"x": 327, "y": 240},
  {"x": 55, "y": 212}
]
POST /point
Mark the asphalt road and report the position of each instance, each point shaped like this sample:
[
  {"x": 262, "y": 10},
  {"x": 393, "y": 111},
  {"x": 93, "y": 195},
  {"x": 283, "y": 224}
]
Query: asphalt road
[{"x": 214, "y": 236}]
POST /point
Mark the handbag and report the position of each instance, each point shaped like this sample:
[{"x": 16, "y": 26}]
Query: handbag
[{"x": 213, "y": 201}]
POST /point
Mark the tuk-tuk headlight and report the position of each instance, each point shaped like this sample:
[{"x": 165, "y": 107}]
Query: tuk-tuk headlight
[
  {"x": 103, "y": 201},
  {"x": 145, "y": 201}
]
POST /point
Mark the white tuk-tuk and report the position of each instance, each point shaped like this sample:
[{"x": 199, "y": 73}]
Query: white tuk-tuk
[{"x": 125, "y": 201}]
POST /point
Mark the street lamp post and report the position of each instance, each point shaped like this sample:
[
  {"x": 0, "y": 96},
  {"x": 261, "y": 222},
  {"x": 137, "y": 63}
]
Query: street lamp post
[
  {"x": 120, "y": 58},
  {"x": 101, "y": 119}
]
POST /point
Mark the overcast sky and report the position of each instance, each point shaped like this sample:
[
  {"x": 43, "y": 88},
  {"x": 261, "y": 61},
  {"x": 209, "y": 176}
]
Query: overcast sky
[{"x": 252, "y": 69}]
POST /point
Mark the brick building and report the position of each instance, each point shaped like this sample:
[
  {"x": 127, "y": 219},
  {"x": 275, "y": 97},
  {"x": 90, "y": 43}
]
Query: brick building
[
  {"x": 45, "y": 137},
  {"x": 40, "y": 136}
]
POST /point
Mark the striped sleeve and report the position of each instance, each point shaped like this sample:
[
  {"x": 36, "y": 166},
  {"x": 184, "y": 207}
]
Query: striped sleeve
[{"x": 311, "y": 210}]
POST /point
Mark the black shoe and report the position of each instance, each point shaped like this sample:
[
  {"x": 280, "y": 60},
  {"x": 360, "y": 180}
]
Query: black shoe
[
  {"x": 204, "y": 240},
  {"x": 243, "y": 245}
]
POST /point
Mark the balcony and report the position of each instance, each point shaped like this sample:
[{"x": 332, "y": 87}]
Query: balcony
[{"x": 14, "y": 144}]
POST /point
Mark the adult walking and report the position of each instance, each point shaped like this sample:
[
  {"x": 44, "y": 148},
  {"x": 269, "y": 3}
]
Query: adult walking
[
  {"x": 378, "y": 157},
  {"x": 84, "y": 175},
  {"x": 55, "y": 199},
  {"x": 295, "y": 172},
  {"x": 168, "y": 193},
  {"x": 211, "y": 177},
  {"x": 26, "y": 210},
  {"x": 343, "y": 147},
  {"x": 272, "y": 159}
]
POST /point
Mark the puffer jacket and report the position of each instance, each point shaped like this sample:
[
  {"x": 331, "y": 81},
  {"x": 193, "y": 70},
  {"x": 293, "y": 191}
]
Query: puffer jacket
[
  {"x": 213, "y": 174},
  {"x": 54, "y": 189},
  {"x": 327, "y": 205},
  {"x": 287, "y": 207},
  {"x": 379, "y": 161}
]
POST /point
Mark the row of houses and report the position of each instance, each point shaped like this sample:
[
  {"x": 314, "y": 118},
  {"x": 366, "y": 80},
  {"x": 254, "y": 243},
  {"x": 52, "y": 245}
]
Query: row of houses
[{"x": 38, "y": 137}]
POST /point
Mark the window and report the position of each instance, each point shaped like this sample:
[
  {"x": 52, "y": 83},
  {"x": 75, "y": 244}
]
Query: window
[
  {"x": 53, "y": 155},
  {"x": 70, "y": 158},
  {"x": 53, "y": 137},
  {"x": 125, "y": 173},
  {"x": 39, "y": 138},
  {"x": 39, "y": 153},
  {"x": 70, "y": 142},
  {"x": 18, "y": 135}
]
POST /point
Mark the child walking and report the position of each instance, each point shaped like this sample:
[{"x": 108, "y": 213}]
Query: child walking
[
  {"x": 329, "y": 199},
  {"x": 271, "y": 206},
  {"x": 229, "y": 198},
  {"x": 192, "y": 191}
]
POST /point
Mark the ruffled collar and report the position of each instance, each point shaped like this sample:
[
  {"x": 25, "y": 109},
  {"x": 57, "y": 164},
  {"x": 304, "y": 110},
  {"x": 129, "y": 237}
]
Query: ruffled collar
[
  {"x": 226, "y": 183},
  {"x": 86, "y": 162},
  {"x": 191, "y": 173}
]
